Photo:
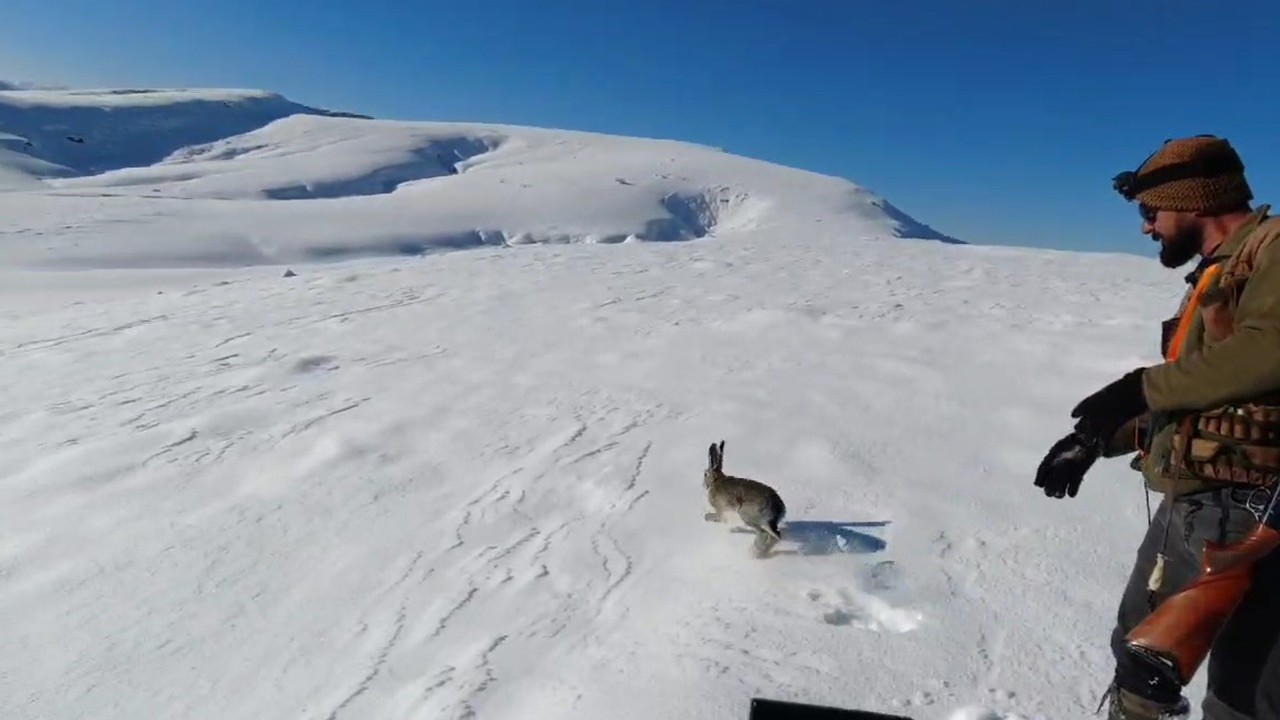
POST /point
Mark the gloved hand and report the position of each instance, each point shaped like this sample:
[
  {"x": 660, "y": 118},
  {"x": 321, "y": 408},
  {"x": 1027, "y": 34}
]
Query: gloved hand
[
  {"x": 1102, "y": 414},
  {"x": 1099, "y": 417},
  {"x": 1064, "y": 466}
]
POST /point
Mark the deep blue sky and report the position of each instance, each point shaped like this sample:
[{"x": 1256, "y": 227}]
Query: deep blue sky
[{"x": 998, "y": 122}]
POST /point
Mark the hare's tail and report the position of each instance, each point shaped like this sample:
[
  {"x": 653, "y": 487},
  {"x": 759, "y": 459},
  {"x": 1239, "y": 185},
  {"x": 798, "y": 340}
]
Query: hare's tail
[
  {"x": 779, "y": 512},
  {"x": 771, "y": 528}
]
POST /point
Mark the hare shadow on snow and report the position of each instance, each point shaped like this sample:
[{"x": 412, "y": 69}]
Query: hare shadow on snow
[{"x": 825, "y": 537}]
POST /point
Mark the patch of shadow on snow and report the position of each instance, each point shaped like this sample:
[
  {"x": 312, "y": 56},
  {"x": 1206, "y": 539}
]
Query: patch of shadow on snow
[
  {"x": 838, "y": 616},
  {"x": 93, "y": 139},
  {"x": 407, "y": 246},
  {"x": 314, "y": 362},
  {"x": 215, "y": 251},
  {"x": 221, "y": 150},
  {"x": 697, "y": 215},
  {"x": 439, "y": 158},
  {"x": 823, "y": 537}
]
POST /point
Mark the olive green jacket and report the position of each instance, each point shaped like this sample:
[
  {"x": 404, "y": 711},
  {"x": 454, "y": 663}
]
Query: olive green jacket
[{"x": 1206, "y": 375}]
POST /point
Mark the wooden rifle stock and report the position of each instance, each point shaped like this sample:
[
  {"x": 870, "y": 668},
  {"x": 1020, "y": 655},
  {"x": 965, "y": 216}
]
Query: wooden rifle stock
[{"x": 1176, "y": 638}]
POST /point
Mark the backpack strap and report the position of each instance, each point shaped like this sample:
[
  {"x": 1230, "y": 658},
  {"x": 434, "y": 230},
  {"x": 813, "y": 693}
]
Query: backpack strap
[{"x": 1219, "y": 301}]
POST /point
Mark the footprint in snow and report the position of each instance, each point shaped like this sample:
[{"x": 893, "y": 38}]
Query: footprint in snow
[
  {"x": 850, "y": 608},
  {"x": 315, "y": 362}
]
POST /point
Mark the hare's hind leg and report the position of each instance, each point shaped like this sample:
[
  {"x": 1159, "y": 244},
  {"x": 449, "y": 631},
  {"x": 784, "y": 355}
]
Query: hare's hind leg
[{"x": 764, "y": 543}]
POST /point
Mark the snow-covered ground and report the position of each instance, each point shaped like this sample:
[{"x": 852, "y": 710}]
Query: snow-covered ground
[{"x": 416, "y": 484}]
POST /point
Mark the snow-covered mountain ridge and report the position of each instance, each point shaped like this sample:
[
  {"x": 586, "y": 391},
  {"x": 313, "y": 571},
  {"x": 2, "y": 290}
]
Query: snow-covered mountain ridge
[{"x": 209, "y": 171}]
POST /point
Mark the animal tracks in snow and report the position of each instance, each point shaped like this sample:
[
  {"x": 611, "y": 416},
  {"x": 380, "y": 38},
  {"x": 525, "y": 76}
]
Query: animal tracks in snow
[
  {"x": 530, "y": 561},
  {"x": 863, "y": 610}
]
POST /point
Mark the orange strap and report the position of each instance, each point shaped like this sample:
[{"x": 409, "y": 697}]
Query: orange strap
[
  {"x": 1189, "y": 313},
  {"x": 1184, "y": 326}
]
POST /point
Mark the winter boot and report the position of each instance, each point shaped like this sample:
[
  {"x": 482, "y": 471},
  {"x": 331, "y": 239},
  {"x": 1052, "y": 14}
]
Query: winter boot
[{"x": 1125, "y": 705}]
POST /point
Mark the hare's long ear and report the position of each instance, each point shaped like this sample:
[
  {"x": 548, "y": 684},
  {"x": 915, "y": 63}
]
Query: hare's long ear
[
  {"x": 720, "y": 457},
  {"x": 711, "y": 457}
]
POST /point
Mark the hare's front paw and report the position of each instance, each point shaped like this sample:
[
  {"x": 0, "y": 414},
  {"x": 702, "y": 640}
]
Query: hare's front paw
[{"x": 712, "y": 517}]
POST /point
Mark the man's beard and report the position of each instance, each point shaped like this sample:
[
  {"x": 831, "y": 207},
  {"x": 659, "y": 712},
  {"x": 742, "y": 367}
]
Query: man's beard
[{"x": 1179, "y": 249}]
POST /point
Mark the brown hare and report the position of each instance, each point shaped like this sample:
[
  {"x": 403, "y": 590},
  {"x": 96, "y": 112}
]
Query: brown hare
[{"x": 756, "y": 504}]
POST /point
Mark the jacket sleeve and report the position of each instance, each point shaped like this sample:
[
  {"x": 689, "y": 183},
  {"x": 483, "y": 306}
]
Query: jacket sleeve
[
  {"x": 1243, "y": 366},
  {"x": 1127, "y": 439}
]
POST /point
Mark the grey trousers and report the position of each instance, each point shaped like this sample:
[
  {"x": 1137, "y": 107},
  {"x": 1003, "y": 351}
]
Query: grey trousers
[{"x": 1244, "y": 665}]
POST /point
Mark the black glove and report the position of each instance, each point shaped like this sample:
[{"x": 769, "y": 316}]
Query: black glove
[
  {"x": 1099, "y": 417},
  {"x": 1102, "y": 414},
  {"x": 1064, "y": 466}
]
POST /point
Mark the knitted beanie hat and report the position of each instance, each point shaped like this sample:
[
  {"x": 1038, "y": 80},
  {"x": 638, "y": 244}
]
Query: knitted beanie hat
[{"x": 1195, "y": 174}]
